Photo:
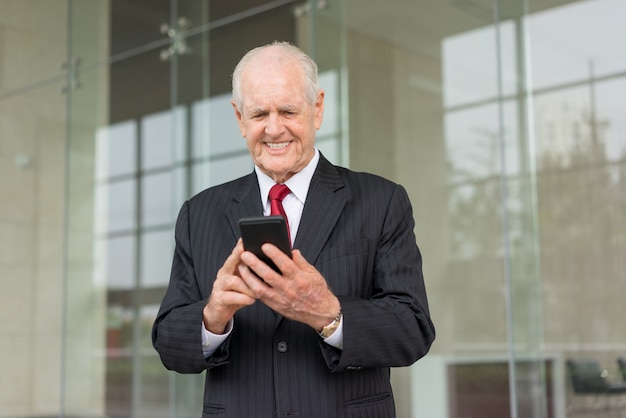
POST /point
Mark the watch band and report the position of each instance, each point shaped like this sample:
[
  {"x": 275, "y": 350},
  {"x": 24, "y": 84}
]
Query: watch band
[{"x": 329, "y": 329}]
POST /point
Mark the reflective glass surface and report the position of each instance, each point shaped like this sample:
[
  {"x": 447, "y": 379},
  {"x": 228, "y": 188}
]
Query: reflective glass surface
[{"x": 505, "y": 121}]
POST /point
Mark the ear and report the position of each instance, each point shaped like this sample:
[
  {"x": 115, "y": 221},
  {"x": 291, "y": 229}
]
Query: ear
[
  {"x": 239, "y": 117},
  {"x": 319, "y": 109}
]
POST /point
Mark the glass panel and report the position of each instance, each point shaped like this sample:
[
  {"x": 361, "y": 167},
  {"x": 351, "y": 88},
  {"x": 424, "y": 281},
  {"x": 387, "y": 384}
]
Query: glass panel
[
  {"x": 215, "y": 129},
  {"x": 138, "y": 25},
  {"x": 118, "y": 372},
  {"x": 562, "y": 53},
  {"x": 153, "y": 399},
  {"x": 423, "y": 98},
  {"x": 329, "y": 139},
  {"x": 578, "y": 113},
  {"x": 473, "y": 143},
  {"x": 470, "y": 66},
  {"x": 156, "y": 258},
  {"x": 581, "y": 158},
  {"x": 156, "y": 192},
  {"x": 220, "y": 171},
  {"x": 505, "y": 126},
  {"x": 611, "y": 119},
  {"x": 116, "y": 206},
  {"x": 97, "y": 205},
  {"x": 116, "y": 150},
  {"x": 138, "y": 86},
  {"x": 163, "y": 139},
  {"x": 115, "y": 262},
  {"x": 319, "y": 30}
]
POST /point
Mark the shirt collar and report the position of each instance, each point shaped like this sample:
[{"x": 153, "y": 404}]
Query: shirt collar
[{"x": 298, "y": 183}]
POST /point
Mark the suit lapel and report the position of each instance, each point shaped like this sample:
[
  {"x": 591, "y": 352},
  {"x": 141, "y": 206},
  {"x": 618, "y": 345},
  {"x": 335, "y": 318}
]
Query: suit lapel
[
  {"x": 245, "y": 202},
  {"x": 324, "y": 203}
]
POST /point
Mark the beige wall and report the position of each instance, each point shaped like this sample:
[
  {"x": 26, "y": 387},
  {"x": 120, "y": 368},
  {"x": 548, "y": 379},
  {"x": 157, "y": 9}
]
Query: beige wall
[
  {"x": 32, "y": 167},
  {"x": 33, "y": 178}
]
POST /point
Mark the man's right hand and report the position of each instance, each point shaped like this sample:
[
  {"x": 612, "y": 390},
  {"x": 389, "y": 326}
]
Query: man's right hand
[{"x": 230, "y": 293}]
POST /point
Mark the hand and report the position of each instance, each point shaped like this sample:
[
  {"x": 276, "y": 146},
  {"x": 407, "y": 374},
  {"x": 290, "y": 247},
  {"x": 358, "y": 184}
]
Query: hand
[
  {"x": 230, "y": 293},
  {"x": 300, "y": 293}
]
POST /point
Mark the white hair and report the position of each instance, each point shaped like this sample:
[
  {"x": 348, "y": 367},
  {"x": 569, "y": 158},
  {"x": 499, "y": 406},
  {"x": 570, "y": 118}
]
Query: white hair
[{"x": 309, "y": 67}]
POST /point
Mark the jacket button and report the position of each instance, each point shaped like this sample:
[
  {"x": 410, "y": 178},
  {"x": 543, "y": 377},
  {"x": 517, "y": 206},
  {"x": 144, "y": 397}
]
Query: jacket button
[{"x": 281, "y": 346}]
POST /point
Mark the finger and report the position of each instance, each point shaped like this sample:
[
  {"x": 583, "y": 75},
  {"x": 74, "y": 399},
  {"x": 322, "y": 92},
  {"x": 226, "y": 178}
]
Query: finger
[
  {"x": 299, "y": 259},
  {"x": 255, "y": 264},
  {"x": 229, "y": 301},
  {"x": 238, "y": 299},
  {"x": 252, "y": 280},
  {"x": 235, "y": 283},
  {"x": 221, "y": 307},
  {"x": 282, "y": 260},
  {"x": 230, "y": 265}
]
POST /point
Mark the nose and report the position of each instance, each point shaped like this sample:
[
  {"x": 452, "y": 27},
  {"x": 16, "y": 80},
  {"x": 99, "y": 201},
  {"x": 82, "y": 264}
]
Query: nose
[{"x": 273, "y": 125}]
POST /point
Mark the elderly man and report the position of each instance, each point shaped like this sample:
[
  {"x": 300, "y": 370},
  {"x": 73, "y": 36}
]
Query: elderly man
[{"x": 317, "y": 339}]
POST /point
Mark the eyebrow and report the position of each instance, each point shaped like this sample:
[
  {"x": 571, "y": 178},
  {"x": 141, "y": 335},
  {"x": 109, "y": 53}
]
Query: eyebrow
[
  {"x": 284, "y": 108},
  {"x": 288, "y": 107}
]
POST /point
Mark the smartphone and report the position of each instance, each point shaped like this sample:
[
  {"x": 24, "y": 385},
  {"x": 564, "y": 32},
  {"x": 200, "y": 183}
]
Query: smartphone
[{"x": 260, "y": 230}]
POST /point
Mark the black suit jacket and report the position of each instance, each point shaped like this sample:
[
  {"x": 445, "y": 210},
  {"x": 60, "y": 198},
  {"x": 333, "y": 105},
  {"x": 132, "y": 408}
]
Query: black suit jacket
[{"x": 357, "y": 230}]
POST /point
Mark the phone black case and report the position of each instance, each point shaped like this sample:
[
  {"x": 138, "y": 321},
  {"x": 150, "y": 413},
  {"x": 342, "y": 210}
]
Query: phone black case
[{"x": 260, "y": 230}]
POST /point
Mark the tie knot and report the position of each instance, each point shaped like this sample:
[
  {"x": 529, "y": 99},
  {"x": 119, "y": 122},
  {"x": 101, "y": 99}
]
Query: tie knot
[{"x": 279, "y": 191}]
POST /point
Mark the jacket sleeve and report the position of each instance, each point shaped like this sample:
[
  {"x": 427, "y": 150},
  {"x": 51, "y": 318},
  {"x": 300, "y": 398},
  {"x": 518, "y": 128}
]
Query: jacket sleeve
[
  {"x": 176, "y": 332},
  {"x": 392, "y": 327}
]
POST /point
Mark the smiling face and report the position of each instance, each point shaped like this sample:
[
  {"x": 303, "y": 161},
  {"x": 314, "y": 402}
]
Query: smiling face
[{"x": 276, "y": 119}]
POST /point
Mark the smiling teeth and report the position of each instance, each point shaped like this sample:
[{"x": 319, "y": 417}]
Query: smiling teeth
[{"x": 279, "y": 145}]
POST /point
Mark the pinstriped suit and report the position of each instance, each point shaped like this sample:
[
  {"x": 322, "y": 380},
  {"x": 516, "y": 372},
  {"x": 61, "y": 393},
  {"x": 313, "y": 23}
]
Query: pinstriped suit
[{"x": 357, "y": 230}]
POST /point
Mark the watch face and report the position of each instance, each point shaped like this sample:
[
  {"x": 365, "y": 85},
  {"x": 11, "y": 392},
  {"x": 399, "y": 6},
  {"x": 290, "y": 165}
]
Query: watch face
[
  {"x": 327, "y": 332},
  {"x": 329, "y": 329}
]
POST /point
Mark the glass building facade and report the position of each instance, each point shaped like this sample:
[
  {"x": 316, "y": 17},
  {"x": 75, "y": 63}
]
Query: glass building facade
[{"x": 504, "y": 119}]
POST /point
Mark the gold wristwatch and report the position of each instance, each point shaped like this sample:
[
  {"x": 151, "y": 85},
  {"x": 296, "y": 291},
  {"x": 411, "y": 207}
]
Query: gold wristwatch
[{"x": 329, "y": 329}]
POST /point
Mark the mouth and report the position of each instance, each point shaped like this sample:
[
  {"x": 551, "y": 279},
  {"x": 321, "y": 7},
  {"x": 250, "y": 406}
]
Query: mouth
[{"x": 277, "y": 145}]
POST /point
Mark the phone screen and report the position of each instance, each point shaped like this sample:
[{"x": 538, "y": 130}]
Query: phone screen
[{"x": 260, "y": 230}]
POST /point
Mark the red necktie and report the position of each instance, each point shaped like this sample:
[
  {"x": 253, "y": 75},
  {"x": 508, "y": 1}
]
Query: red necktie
[{"x": 277, "y": 194}]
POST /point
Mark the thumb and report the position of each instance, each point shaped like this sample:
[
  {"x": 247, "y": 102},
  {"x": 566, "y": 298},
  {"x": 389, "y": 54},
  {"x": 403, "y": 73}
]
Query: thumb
[{"x": 231, "y": 263}]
